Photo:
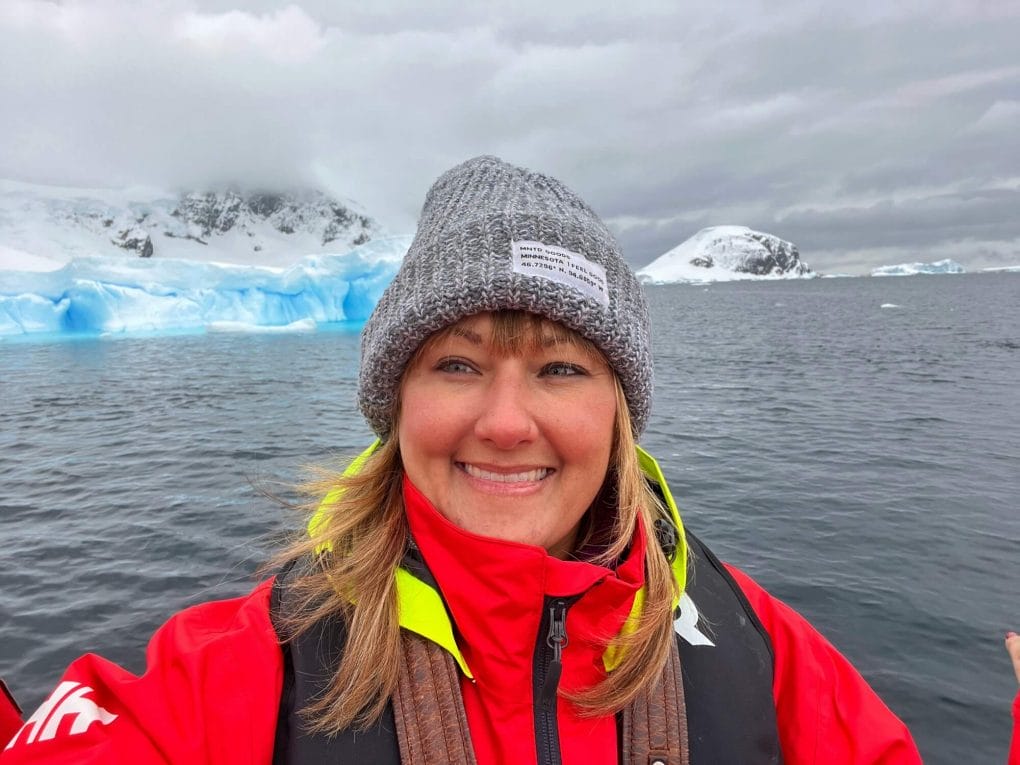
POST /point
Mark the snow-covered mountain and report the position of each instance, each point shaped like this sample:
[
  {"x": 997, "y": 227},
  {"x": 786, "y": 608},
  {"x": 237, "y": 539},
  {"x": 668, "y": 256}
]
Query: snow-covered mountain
[
  {"x": 45, "y": 226},
  {"x": 727, "y": 253},
  {"x": 946, "y": 266}
]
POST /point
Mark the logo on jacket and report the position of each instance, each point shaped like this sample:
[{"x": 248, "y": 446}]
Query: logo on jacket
[
  {"x": 66, "y": 702},
  {"x": 686, "y": 625}
]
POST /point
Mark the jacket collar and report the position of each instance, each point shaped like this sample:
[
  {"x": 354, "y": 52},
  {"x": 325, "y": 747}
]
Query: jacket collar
[
  {"x": 421, "y": 607},
  {"x": 497, "y": 593}
]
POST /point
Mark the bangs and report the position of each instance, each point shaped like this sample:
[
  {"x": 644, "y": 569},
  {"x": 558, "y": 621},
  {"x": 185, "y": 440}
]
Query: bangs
[{"x": 515, "y": 333}]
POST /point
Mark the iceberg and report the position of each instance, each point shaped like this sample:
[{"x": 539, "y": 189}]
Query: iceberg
[
  {"x": 102, "y": 295},
  {"x": 946, "y": 266}
]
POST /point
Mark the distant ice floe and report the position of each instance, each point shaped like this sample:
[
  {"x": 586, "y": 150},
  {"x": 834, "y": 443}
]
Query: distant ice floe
[
  {"x": 946, "y": 266},
  {"x": 102, "y": 295},
  {"x": 301, "y": 325}
]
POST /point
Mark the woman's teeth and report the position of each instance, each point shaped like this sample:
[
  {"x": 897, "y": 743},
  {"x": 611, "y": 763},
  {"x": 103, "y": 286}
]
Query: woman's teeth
[{"x": 523, "y": 477}]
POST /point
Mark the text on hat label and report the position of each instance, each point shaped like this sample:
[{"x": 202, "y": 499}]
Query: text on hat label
[{"x": 561, "y": 266}]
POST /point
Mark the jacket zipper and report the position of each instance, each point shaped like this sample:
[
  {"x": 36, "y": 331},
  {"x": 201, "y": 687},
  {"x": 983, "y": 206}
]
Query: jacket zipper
[{"x": 547, "y": 670}]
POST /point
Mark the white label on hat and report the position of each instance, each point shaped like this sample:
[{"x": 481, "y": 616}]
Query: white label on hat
[{"x": 561, "y": 266}]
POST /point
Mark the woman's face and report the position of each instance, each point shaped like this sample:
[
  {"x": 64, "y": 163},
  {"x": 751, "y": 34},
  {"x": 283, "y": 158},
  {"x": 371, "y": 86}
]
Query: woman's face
[{"x": 508, "y": 446}]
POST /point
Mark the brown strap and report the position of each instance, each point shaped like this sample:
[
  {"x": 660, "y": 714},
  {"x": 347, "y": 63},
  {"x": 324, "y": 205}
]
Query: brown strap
[
  {"x": 428, "y": 708},
  {"x": 655, "y": 725},
  {"x": 432, "y": 726}
]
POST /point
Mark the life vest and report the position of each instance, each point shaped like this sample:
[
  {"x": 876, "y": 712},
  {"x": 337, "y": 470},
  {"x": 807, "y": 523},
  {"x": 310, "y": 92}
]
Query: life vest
[{"x": 725, "y": 654}]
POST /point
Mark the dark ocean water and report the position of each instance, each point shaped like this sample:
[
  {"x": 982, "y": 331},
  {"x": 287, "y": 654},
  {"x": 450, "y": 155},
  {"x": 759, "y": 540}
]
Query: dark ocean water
[{"x": 861, "y": 461}]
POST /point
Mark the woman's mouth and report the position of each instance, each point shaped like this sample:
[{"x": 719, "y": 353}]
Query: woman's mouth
[{"x": 520, "y": 476}]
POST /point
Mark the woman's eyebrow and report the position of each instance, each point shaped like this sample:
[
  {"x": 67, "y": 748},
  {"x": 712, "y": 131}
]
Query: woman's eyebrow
[
  {"x": 548, "y": 341},
  {"x": 469, "y": 335}
]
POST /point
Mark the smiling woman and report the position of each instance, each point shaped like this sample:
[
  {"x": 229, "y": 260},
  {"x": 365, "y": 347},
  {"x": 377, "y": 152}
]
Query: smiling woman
[
  {"x": 509, "y": 445},
  {"x": 503, "y": 577}
]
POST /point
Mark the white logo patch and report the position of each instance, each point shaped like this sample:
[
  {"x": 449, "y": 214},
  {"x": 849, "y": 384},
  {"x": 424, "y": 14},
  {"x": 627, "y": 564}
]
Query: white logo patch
[
  {"x": 686, "y": 625},
  {"x": 561, "y": 266},
  {"x": 68, "y": 700}
]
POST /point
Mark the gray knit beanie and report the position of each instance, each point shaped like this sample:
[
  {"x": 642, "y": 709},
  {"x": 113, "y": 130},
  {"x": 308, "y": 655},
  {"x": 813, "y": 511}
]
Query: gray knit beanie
[{"x": 496, "y": 237}]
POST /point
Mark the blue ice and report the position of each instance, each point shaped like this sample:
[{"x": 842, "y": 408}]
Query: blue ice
[{"x": 101, "y": 295}]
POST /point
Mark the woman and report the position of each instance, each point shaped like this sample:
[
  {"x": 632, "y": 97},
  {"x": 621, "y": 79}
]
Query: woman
[{"x": 503, "y": 577}]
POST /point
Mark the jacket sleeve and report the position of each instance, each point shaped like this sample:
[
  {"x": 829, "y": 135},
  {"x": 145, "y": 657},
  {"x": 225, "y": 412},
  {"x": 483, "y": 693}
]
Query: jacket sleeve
[
  {"x": 209, "y": 694},
  {"x": 827, "y": 714},
  {"x": 1014, "y": 747},
  {"x": 10, "y": 714}
]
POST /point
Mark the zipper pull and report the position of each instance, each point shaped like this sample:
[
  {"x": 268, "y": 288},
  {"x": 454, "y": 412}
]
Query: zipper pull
[{"x": 557, "y": 640}]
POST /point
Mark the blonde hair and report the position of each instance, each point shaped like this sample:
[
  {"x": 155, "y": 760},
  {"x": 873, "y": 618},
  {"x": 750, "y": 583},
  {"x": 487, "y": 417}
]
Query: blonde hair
[{"x": 365, "y": 530}]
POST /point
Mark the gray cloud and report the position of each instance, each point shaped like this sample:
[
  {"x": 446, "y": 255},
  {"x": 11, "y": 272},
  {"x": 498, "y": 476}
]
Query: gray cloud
[{"x": 858, "y": 131}]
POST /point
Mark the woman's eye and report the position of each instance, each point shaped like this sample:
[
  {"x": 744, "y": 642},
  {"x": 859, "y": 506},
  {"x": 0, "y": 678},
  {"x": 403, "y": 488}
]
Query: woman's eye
[
  {"x": 562, "y": 369},
  {"x": 454, "y": 366}
]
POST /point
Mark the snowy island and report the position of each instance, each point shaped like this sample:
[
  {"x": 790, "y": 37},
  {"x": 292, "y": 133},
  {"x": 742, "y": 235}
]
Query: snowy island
[{"x": 727, "y": 253}]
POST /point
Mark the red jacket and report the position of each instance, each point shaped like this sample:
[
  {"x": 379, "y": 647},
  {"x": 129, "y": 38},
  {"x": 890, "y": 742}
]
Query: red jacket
[
  {"x": 10, "y": 714},
  {"x": 211, "y": 689},
  {"x": 209, "y": 695}
]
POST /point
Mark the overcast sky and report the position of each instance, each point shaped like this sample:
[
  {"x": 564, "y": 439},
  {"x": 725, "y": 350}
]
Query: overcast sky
[{"x": 867, "y": 132}]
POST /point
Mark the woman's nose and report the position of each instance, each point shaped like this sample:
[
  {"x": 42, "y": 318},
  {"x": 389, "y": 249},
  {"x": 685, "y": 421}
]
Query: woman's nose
[{"x": 507, "y": 418}]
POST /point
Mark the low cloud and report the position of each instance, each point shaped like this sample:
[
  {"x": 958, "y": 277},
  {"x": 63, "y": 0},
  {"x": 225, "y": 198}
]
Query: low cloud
[
  {"x": 286, "y": 36},
  {"x": 848, "y": 129}
]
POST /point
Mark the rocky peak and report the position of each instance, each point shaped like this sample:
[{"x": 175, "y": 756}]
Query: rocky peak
[
  {"x": 312, "y": 212},
  {"x": 722, "y": 253},
  {"x": 134, "y": 239},
  {"x": 774, "y": 257}
]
